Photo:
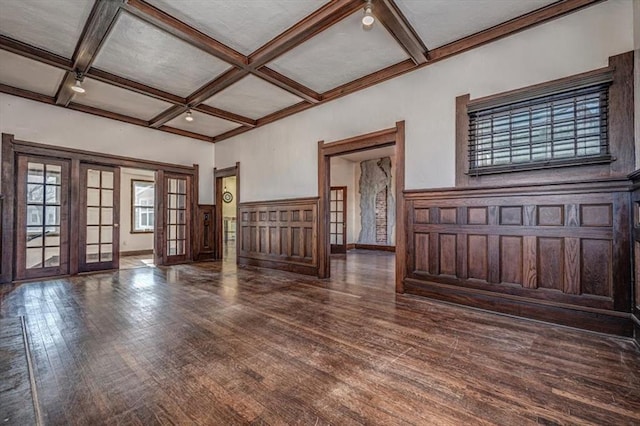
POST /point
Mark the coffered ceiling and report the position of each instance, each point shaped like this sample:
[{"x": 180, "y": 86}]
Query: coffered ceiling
[{"x": 236, "y": 64}]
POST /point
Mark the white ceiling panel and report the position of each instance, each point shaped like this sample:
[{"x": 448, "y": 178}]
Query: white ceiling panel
[
  {"x": 253, "y": 98},
  {"x": 203, "y": 123},
  {"x": 370, "y": 154},
  {"x": 439, "y": 22},
  {"x": 143, "y": 53},
  {"x": 340, "y": 54},
  {"x": 53, "y": 25},
  {"x": 122, "y": 101},
  {"x": 28, "y": 74},
  {"x": 243, "y": 25}
]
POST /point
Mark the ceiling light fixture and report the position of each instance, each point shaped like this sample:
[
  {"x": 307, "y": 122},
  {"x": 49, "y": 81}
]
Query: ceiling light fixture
[
  {"x": 189, "y": 116},
  {"x": 77, "y": 86},
  {"x": 368, "y": 19}
]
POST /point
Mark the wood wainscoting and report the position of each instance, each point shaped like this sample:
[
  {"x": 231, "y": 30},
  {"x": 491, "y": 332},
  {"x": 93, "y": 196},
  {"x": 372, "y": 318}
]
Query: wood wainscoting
[
  {"x": 205, "y": 248},
  {"x": 557, "y": 253},
  {"x": 280, "y": 234}
]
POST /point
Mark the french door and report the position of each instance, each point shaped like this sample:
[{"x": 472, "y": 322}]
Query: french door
[
  {"x": 338, "y": 219},
  {"x": 177, "y": 218},
  {"x": 42, "y": 210},
  {"x": 99, "y": 217}
]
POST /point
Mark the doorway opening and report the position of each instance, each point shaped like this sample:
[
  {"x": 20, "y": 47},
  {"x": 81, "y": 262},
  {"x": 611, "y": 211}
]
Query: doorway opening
[
  {"x": 361, "y": 184},
  {"x": 227, "y": 198},
  {"x": 137, "y": 218}
]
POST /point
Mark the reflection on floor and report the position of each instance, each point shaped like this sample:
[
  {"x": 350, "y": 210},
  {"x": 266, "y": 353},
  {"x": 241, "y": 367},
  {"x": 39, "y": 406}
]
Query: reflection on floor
[
  {"x": 213, "y": 343},
  {"x": 140, "y": 261}
]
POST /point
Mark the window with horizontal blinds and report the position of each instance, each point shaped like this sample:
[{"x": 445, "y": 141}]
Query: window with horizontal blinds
[{"x": 567, "y": 127}]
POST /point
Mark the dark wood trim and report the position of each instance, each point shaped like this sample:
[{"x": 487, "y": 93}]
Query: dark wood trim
[
  {"x": 313, "y": 24},
  {"x": 205, "y": 241},
  {"x": 136, "y": 253},
  {"x": 27, "y": 94},
  {"x": 230, "y": 133},
  {"x": 107, "y": 114},
  {"x": 219, "y": 175},
  {"x": 94, "y": 157},
  {"x": 177, "y": 28},
  {"x": 619, "y": 163},
  {"x": 8, "y": 211},
  {"x": 393, "y": 136},
  {"x": 600, "y": 321},
  {"x": 185, "y": 133},
  {"x": 377, "y": 247},
  {"x": 101, "y": 20},
  {"x": 281, "y": 201},
  {"x": 399, "y": 27},
  {"x": 167, "y": 115}
]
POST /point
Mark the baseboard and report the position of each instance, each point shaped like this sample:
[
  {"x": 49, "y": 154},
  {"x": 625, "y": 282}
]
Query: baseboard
[
  {"x": 617, "y": 323},
  {"x": 136, "y": 252},
  {"x": 371, "y": 247},
  {"x": 282, "y": 266}
]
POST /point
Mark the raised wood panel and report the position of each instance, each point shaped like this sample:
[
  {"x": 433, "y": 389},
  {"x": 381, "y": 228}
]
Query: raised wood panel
[
  {"x": 205, "y": 231},
  {"x": 280, "y": 234},
  {"x": 551, "y": 263},
  {"x": 635, "y": 232},
  {"x": 556, "y": 244}
]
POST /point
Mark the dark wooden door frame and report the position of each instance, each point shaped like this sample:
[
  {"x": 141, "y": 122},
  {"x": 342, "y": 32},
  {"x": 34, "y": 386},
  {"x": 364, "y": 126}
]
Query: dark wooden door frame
[
  {"x": 387, "y": 137},
  {"x": 218, "y": 175},
  {"x": 11, "y": 147},
  {"x": 344, "y": 217}
]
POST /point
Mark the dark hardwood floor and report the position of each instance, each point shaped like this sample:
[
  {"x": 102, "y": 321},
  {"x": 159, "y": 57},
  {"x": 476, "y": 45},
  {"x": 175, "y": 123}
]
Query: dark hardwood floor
[{"x": 208, "y": 344}]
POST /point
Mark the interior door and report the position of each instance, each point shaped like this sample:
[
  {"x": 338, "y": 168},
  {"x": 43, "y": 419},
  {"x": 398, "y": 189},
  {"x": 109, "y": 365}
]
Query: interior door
[
  {"x": 42, "y": 222},
  {"x": 338, "y": 219},
  {"x": 177, "y": 218},
  {"x": 99, "y": 217}
]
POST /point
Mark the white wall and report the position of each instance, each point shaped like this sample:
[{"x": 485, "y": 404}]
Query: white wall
[
  {"x": 37, "y": 122},
  {"x": 280, "y": 160},
  {"x": 129, "y": 241}
]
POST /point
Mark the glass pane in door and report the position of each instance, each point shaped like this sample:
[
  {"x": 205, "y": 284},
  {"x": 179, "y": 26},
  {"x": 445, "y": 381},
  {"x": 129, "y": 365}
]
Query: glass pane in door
[
  {"x": 99, "y": 216},
  {"x": 42, "y": 221},
  {"x": 176, "y": 217}
]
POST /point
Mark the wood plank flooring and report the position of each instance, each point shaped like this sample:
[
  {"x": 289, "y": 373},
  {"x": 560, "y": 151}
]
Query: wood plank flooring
[{"x": 214, "y": 345}]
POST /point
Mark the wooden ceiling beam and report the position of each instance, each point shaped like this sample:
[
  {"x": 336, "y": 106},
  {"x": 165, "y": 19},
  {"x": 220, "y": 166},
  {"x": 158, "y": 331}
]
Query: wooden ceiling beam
[
  {"x": 288, "y": 84},
  {"x": 171, "y": 25},
  {"x": 167, "y": 115},
  {"x": 323, "y": 18},
  {"x": 226, "y": 115},
  {"x": 545, "y": 14},
  {"x": 395, "y": 22},
  {"x": 102, "y": 17},
  {"x": 220, "y": 83},
  {"x": 134, "y": 86},
  {"x": 31, "y": 52},
  {"x": 50, "y": 100}
]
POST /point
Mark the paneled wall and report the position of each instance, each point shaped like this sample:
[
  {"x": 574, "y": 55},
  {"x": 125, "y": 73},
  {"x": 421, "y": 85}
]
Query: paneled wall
[
  {"x": 280, "y": 234},
  {"x": 204, "y": 247},
  {"x": 557, "y": 253}
]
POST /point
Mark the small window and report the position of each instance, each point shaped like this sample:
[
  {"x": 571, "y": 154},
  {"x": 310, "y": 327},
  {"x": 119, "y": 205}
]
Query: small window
[
  {"x": 563, "y": 128},
  {"x": 142, "y": 202}
]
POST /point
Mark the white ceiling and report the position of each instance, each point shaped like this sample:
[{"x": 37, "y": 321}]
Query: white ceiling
[
  {"x": 53, "y": 25},
  {"x": 203, "y": 123},
  {"x": 243, "y": 25},
  {"x": 439, "y": 22},
  {"x": 370, "y": 154},
  {"x": 253, "y": 98},
  {"x": 340, "y": 54},
  {"x": 143, "y": 53},
  {"x": 18, "y": 71},
  {"x": 122, "y": 101}
]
